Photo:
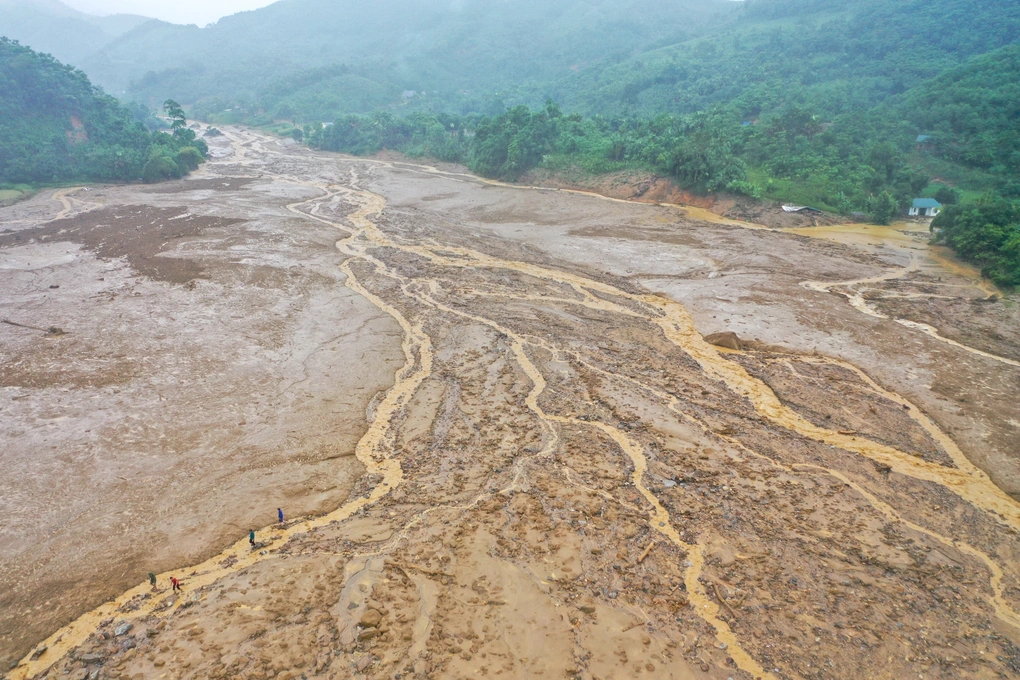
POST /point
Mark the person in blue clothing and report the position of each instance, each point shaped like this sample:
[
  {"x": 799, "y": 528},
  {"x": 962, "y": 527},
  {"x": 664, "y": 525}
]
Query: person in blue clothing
[
  {"x": 279, "y": 513},
  {"x": 251, "y": 538}
]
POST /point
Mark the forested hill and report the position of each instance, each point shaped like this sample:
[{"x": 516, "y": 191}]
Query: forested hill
[
  {"x": 53, "y": 27},
  {"x": 833, "y": 55},
  {"x": 484, "y": 46},
  {"x": 56, "y": 127},
  {"x": 318, "y": 58}
]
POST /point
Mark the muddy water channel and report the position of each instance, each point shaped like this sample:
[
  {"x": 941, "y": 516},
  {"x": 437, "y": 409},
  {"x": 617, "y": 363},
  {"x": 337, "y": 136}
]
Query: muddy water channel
[{"x": 565, "y": 480}]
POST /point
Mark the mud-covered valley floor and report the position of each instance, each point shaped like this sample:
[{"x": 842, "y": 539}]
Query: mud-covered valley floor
[{"x": 502, "y": 443}]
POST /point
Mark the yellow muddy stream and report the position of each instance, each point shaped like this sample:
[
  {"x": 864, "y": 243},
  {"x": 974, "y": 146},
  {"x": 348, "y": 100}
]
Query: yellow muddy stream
[
  {"x": 376, "y": 448},
  {"x": 910, "y": 241}
]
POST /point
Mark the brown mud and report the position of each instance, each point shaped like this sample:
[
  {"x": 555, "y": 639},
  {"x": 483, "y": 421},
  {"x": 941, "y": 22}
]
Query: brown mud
[
  {"x": 565, "y": 480},
  {"x": 646, "y": 187}
]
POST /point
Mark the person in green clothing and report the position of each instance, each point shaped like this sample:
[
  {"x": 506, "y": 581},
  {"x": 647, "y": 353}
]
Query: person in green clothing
[
  {"x": 251, "y": 538},
  {"x": 152, "y": 580}
]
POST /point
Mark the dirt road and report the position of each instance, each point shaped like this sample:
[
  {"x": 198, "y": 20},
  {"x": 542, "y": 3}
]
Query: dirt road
[{"x": 561, "y": 477}]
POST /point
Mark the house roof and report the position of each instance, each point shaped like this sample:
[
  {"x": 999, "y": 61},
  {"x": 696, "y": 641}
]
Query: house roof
[
  {"x": 926, "y": 203},
  {"x": 923, "y": 138}
]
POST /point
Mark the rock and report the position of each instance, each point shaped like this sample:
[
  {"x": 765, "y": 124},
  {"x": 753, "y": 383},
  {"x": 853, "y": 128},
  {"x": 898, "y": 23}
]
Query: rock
[
  {"x": 363, "y": 663},
  {"x": 123, "y": 628},
  {"x": 368, "y": 634},
  {"x": 371, "y": 619},
  {"x": 378, "y": 606},
  {"x": 90, "y": 658},
  {"x": 39, "y": 652},
  {"x": 587, "y": 609},
  {"x": 726, "y": 339}
]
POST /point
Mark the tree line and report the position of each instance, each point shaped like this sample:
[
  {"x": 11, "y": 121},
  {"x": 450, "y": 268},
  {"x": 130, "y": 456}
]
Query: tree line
[
  {"x": 858, "y": 164},
  {"x": 55, "y": 126},
  {"x": 843, "y": 167}
]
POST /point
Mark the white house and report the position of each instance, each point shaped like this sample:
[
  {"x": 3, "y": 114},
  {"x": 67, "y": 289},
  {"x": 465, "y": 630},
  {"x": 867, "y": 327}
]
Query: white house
[{"x": 925, "y": 207}]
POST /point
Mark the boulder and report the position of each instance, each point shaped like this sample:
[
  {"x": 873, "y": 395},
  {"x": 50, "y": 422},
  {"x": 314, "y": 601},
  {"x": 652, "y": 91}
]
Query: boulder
[{"x": 726, "y": 339}]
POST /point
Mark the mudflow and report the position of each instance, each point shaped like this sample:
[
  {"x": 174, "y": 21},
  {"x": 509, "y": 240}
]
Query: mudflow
[{"x": 503, "y": 446}]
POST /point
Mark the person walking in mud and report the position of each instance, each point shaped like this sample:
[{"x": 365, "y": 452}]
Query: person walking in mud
[
  {"x": 175, "y": 583},
  {"x": 251, "y": 538},
  {"x": 152, "y": 581},
  {"x": 279, "y": 514}
]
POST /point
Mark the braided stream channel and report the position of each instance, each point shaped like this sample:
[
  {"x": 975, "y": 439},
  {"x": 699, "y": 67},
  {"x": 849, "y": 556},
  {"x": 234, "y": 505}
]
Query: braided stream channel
[{"x": 562, "y": 455}]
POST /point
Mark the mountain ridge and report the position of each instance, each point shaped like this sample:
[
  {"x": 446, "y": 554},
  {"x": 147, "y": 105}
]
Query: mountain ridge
[{"x": 52, "y": 27}]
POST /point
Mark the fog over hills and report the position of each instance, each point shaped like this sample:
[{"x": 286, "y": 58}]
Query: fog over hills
[
  {"x": 53, "y": 27},
  {"x": 587, "y": 339},
  {"x": 402, "y": 44},
  {"x": 199, "y": 12}
]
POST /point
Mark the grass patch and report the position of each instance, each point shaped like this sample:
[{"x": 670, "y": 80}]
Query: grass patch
[
  {"x": 283, "y": 129},
  {"x": 12, "y": 193}
]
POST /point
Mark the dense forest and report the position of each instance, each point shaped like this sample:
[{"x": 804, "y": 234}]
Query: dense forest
[
  {"x": 55, "y": 126},
  {"x": 987, "y": 233}
]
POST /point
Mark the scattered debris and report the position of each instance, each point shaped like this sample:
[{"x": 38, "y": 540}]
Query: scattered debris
[
  {"x": 52, "y": 330},
  {"x": 644, "y": 555}
]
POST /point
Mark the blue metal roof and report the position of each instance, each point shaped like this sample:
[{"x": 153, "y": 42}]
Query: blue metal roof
[
  {"x": 926, "y": 203},
  {"x": 923, "y": 138}
]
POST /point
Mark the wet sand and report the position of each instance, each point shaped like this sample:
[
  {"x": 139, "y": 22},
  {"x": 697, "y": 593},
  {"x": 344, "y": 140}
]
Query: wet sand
[{"x": 563, "y": 479}]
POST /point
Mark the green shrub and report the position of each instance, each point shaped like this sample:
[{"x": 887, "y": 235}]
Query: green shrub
[
  {"x": 160, "y": 167},
  {"x": 987, "y": 234}
]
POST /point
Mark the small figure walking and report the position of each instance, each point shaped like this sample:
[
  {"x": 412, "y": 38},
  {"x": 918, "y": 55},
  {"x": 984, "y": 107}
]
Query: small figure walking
[
  {"x": 152, "y": 581},
  {"x": 279, "y": 514},
  {"x": 175, "y": 583},
  {"x": 251, "y": 539}
]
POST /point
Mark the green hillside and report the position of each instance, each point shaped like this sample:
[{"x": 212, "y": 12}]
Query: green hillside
[
  {"x": 55, "y": 126},
  {"x": 53, "y": 27},
  {"x": 855, "y": 106},
  {"x": 447, "y": 46},
  {"x": 833, "y": 55},
  {"x": 972, "y": 114}
]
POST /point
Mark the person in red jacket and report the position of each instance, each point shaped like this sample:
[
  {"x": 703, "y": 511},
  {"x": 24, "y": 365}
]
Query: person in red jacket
[{"x": 175, "y": 583}]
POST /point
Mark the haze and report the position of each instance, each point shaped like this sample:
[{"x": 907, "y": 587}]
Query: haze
[
  {"x": 579, "y": 339},
  {"x": 199, "y": 12}
]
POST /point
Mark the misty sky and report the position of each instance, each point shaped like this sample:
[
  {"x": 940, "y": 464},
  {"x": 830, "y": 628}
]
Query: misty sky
[{"x": 199, "y": 12}]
